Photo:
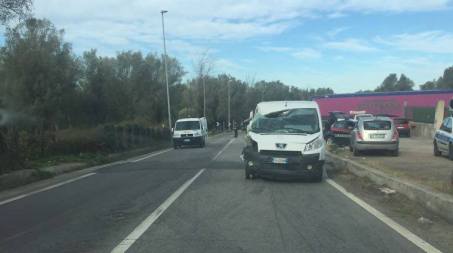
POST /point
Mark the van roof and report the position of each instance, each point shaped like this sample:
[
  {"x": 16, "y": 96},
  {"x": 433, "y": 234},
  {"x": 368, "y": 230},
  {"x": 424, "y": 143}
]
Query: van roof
[
  {"x": 275, "y": 106},
  {"x": 188, "y": 119}
]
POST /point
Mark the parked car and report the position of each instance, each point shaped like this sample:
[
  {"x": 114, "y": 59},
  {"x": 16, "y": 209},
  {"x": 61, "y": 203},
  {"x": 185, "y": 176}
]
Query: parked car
[
  {"x": 284, "y": 139},
  {"x": 402, "y": 125},
  {"x": 443, "y": 139},
  {"x": 333, "y": 117},
  {"x": 392, "y": 116},
  {"x": 340, "y": 132},
  {"x": 361, "y": 116},
  {"x": 375, "y": 133}
]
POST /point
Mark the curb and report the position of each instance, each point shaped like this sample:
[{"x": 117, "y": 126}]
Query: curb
[{"x": 439, "y": 203}]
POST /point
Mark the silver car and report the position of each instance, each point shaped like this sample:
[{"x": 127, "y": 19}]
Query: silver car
[{"x": 375, "y": 133}]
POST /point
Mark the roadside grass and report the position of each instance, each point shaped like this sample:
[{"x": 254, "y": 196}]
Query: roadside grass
[{"x": 40, "y": 169}]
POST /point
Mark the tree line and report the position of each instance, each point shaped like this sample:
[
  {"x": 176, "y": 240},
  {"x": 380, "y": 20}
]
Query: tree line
[{"x": 46, "y": 89}]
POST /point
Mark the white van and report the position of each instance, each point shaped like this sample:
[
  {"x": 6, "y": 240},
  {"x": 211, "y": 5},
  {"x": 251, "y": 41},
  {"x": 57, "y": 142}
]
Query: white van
[
  {"x": 190, "y": 131},
  {"x": 285, "y": 138}
]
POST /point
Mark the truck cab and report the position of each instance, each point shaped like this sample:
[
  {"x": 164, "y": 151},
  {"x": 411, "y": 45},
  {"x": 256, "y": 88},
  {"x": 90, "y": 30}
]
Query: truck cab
[
  {"x": 190, "y": 132},
  {"x": 285, "y": 139}
]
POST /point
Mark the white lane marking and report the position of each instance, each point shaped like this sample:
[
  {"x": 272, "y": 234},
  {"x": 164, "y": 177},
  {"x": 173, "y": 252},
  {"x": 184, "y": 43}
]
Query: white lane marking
[
  {"x": 152, "y": 155},
  {"x": 223, "y": 149},
  {"x": 419, "y": 242},
  {"x": 45, "y": 189},
  {"x": 142, "y": 227}
]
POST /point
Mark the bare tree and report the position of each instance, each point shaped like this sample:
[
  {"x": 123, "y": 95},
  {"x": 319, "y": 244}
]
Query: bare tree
[
  {"x": 10, "y": 9},
  {"x": 203, "y": 67}
]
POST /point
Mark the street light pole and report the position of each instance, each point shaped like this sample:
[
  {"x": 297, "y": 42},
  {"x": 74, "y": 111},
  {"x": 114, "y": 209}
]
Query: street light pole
[
  {"x": 229, "y": 106},
  {"x": 204, "y": 96},
  {"x": 162, "y": 12}
]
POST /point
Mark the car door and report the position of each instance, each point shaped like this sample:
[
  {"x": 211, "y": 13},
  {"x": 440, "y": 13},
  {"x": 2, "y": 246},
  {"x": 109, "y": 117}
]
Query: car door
[{"x": 444, "y": 135}]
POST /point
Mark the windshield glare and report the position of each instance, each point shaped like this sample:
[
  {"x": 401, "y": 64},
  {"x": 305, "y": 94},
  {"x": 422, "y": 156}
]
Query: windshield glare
[
  {"x": 187, "y": 125},
  {"x": 293, "y": 121}
]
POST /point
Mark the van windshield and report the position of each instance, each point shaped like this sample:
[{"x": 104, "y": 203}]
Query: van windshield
[
  {"x": 187, "y": 125},
  {"x": 291, "y": 121}
]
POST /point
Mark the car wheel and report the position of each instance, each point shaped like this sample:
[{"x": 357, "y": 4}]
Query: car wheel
[
  {"x": 175, "y": 146},
  {"x": 317, "y": 174},
  {"x": 436, "y": 150},
  {"x": 450, "y": 151},
  {"x": 408, "y": 135},
  {"x": 355, "y": 151},
  {"x": 395, "y": 152}
]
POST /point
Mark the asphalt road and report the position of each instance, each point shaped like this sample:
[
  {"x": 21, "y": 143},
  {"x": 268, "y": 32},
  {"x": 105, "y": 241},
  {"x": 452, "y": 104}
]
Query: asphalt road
[{"x": 219, "y": 212}]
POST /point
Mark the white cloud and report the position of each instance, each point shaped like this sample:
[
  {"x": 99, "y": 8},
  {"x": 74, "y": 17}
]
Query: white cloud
[
  {"x": 299, "y": 53},
  {"x": 307, "y": 54},
  {"x": 119, "y": 22},
  {"x": 428, "y": 41},
  {"x": 275, "y": 49},
  {"x": 336, "y": 31},
  {"x": 354, "y": 45}
]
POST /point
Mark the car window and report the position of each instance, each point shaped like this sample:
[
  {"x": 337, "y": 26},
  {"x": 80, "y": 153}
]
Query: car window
[
  {"x": 377, "y": 125},
  {"x": 401, "y": 121}
]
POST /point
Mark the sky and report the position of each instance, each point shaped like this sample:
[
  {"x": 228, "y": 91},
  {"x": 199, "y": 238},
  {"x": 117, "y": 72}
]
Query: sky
[{"x": 347, "y": 45}]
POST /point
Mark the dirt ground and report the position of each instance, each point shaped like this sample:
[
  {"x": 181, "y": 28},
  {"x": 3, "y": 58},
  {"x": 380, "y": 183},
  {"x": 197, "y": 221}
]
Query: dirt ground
[{"x": 415, "y": 163}]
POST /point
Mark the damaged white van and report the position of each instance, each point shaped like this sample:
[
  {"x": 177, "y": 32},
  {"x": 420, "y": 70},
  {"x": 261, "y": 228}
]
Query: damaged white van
[{"x": 285, "y": 139}]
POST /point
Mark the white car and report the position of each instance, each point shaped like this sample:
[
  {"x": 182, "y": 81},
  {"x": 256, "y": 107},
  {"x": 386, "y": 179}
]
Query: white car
[
  {"x": 361, "y": 116},
  {"x": 285, "y": 139},
  {"x": 443, "y": 139}
]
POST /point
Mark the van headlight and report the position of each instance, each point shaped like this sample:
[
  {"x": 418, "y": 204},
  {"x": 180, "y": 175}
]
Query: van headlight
[
  {"x": 196, "y": 134},
  {"x": 314, "y": 145}
]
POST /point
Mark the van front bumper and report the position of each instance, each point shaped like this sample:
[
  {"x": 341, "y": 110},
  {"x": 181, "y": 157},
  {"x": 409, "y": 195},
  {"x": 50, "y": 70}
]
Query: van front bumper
[
  {"x": 296, "y": 166},
  {"x": 188, "y": 140}
]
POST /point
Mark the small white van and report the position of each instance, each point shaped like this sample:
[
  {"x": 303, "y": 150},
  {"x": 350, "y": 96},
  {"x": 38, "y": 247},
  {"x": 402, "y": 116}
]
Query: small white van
[
  {"x": 190, "y": 132},
  {"x": 285, "y": 139}
]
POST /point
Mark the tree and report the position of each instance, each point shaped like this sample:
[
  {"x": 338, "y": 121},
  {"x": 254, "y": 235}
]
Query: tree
[
  {"x": 443, "y": 82},
  {"x": 10, "y": 9},
  {"x": 392, "y": 83},
  {"x": 39, "y": 71},
  {"x": 389, "y": 83},
  {"x": 404, "y": 84}
]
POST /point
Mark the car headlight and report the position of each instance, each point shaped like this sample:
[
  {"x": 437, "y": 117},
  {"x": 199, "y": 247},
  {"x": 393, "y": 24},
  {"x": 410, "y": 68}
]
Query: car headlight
[{"x": 313, "y": 145}]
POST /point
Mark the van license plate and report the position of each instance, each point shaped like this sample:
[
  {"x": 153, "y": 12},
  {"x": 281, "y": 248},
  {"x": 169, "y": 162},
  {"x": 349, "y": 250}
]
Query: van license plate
[
  {"x": 186, "y": 140},
  {"x": 377, "y": 136},
  {"x": 279, "y": 160}
]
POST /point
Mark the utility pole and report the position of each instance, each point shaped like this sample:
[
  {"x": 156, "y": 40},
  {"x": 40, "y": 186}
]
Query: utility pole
[
  {"x": 162, "y": 12},
  {"x": 204, "y": 96},
  {"x": 229, "y": 106}
]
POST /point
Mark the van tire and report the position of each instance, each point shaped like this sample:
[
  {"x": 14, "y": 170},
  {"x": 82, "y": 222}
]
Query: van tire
[
  {"x": 436, "y": 150},
  {"x": 317, "y": 175},
  {"x": 450, "y": 151},
  {"x": 249, "y": 175}
]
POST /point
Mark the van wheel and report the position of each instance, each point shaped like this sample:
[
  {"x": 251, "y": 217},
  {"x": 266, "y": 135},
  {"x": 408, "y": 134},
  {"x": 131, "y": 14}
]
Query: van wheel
[
  {"x": 436, "y": 150},
  {"x": 317, "y": 175},
  {"x": 249, "y": 175},
  {"x": 450, "y": 151}
]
